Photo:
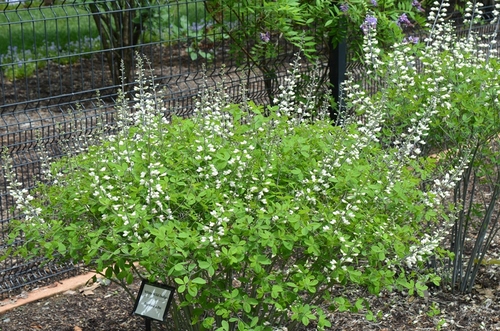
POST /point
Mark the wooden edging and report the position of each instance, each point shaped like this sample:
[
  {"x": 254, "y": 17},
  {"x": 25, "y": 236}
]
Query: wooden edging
[{"x": 46, "y": 291}]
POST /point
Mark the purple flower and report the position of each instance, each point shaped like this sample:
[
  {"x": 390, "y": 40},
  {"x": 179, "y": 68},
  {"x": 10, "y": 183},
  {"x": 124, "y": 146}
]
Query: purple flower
[
  {"x": 369, "y": 23},
  {"x": 411, "y": 40},
  {"x": 344, "y": 7},
  {"x": 265, "y": 37},
  {"x": 417, "y": 5},
  {"x": 374, "y": 3},
  {"x": 403, "y": 21}
]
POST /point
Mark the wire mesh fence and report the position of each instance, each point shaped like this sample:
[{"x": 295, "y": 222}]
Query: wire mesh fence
[{"x": 62, "y": 64}]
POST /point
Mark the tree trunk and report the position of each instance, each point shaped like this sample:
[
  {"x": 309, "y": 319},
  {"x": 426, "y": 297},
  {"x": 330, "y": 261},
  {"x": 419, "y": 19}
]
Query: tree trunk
[{"x": 119, "y": 36}]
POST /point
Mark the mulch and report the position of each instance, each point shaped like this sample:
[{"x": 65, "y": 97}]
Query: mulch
[{"x": 109, "y": 308}]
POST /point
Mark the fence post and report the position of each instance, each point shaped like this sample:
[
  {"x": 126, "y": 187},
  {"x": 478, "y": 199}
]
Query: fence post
[{"x": 337, "y": 64}]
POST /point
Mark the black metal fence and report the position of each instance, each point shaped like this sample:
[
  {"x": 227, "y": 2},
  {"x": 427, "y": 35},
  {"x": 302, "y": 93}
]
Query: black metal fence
[{"x": 59, "y": 79}]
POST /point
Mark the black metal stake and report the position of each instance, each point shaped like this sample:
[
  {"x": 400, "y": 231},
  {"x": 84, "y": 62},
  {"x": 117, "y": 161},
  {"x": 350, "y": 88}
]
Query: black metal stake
[
  {"x": 148, "y": 324},
  {"x": 337, "y": 65}
]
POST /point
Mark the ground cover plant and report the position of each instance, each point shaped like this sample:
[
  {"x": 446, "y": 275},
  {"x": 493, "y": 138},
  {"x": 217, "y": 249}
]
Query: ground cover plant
[
  {"x": 257, "y": 214},
  {"x": 187, "y": 24}
]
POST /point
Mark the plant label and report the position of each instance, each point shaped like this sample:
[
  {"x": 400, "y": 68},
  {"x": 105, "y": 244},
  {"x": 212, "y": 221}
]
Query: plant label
[{"x": 153, "y": 300}]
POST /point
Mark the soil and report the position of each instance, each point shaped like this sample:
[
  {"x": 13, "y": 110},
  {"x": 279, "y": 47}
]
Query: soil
[{"x": 107, "y": 307}]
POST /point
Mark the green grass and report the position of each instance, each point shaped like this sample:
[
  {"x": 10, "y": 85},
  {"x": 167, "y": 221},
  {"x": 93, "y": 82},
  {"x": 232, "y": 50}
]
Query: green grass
[
  {"x": 36, "y": 28},
  {"x": 26, "y": 28},
  {"x": 29, "y": 37}
]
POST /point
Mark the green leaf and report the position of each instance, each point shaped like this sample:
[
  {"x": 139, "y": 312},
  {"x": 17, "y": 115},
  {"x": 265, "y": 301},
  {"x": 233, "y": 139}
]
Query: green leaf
[
  {"x": 211, "y": 271},
  {"x": 297, "y": 172},
  {"x": 276, "y": 290},
  {"x": 108, "y": 273},
  {"x": 287, "y": 244},
  {"x": 130, "y": 278},
  {"x": 179, "y": 267},
  {"x": 192, "y": 290},
  {"x": 254, "y": 322},
  {"x": 204, "y": 264},
  {"x": 61, "y": 248},
  {"x": 199, "y": 280}
]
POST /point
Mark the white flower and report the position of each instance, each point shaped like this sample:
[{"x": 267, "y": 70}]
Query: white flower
[{"x": 333, "y": 264}]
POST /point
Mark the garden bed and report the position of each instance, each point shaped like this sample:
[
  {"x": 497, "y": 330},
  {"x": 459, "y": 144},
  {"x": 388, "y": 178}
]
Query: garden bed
[{"x": 108, "y": 308}]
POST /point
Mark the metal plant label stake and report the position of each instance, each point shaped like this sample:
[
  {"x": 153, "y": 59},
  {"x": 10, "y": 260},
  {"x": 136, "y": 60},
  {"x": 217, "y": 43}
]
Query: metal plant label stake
[{"x": 153, "y": 301}]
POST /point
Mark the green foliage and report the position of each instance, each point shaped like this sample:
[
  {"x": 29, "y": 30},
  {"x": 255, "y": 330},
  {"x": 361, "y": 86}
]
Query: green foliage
[
  {"x": 292, "y": 20},
  {"x": 448, "y": 89},
  {"x": 258, "y": 30},
  {"x": 434, "y": 310},
  {"x": 463, "y": 81},
  {"x": 256, "y": 219},
  {"x": 186, "y": 25}
]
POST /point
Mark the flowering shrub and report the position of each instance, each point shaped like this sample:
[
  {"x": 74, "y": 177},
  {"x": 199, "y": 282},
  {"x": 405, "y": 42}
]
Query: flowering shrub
[
  {"x": 259, "y": 30},
  {"x": 289, "y": 19},
  {"x": 258, "y": 220},
  {"x": 457, "y": 76},
  {"x": 448, "y": 87}
]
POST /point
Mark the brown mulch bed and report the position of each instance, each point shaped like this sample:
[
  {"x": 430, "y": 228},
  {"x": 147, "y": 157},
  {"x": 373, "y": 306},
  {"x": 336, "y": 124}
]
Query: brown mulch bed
[{"x": 108, "y": 308}]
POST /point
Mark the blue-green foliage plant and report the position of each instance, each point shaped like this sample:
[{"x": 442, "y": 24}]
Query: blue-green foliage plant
[{"x": 259, "y": 221}]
